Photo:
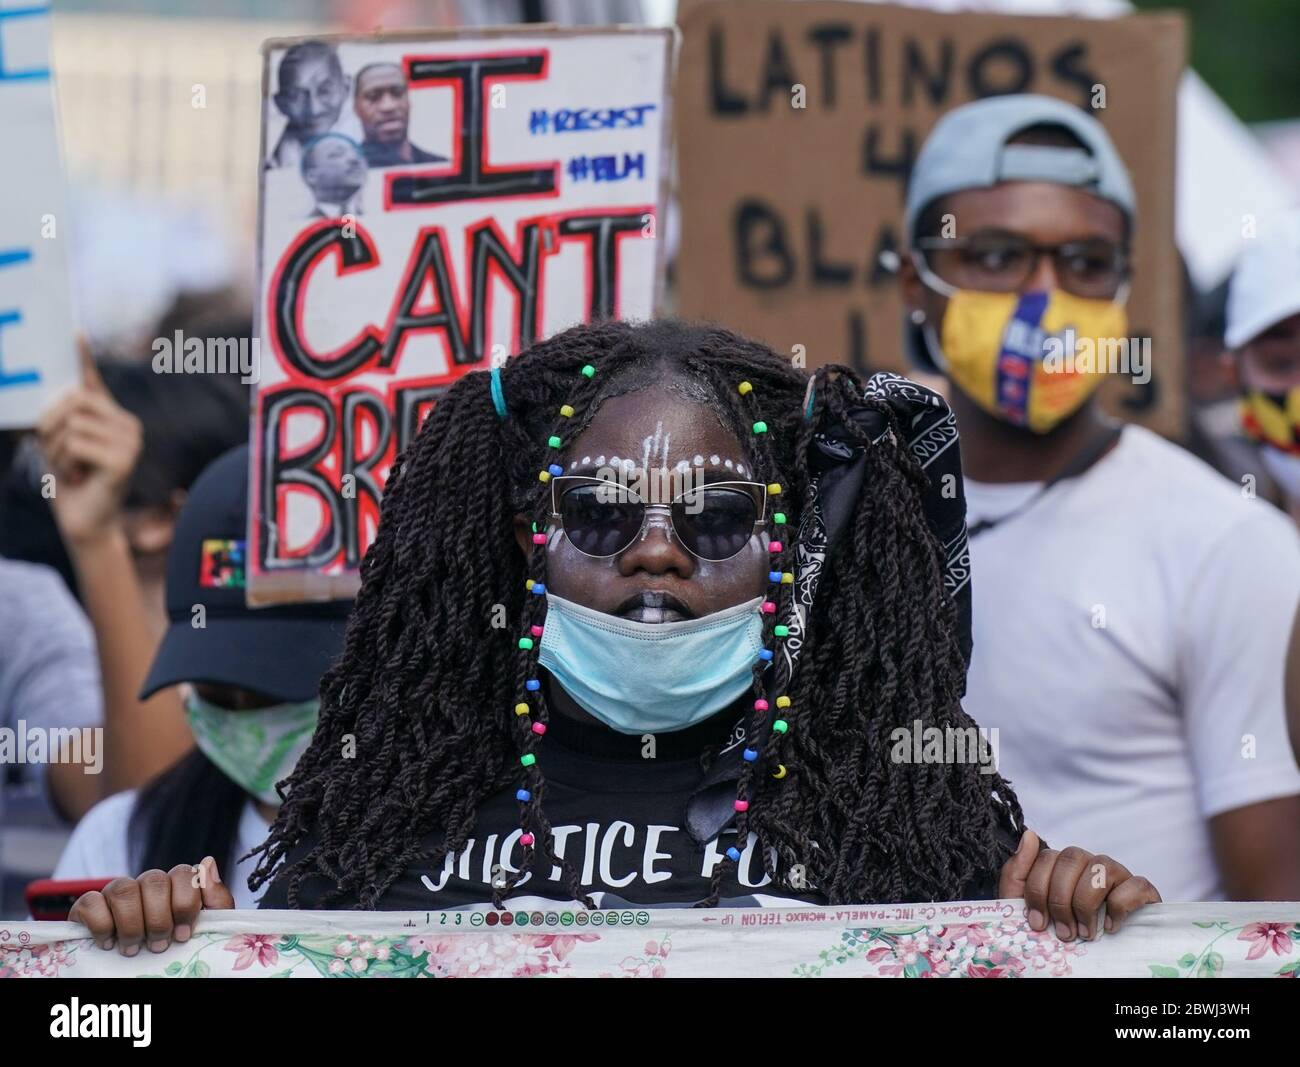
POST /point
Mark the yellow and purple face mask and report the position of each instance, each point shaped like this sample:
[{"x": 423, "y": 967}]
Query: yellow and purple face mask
[
  {"x": 994, "y": 348},
  {"x": 1273, "y": 418}
]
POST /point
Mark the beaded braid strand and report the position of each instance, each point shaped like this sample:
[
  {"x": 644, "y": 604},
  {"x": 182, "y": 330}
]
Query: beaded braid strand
[
  {"x": 778, "y": 604},
  {"x": 532, "y": 718}
]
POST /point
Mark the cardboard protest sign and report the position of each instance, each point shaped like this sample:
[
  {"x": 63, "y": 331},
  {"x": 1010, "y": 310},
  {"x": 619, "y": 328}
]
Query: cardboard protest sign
[
  {"x": 37, "y": 349},
  {"x": 798, "y": 126},
  {"x": 430, "y": 205}
]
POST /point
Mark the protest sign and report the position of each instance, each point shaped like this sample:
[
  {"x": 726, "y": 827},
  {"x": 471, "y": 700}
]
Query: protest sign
[
  {"x": 798, "y": 126},
  {"x": 429, "y": 205},
  {"x": 37, "y": 349}
]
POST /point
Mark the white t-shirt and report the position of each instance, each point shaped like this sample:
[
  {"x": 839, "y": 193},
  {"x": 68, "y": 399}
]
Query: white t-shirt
[
  {"x": 1130, "y": 633},
  {"x": 98, "y": 847}
]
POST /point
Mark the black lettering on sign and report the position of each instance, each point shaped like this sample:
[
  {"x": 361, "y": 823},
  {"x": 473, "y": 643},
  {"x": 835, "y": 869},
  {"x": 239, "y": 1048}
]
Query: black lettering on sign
[
  {"x": 302, "y": 470},
  {"x": 428, "y": 265},
  {"x": 722, "y": 100},
  {"x": 936, "y": 81},
  {"x": 763, "y": 258},
  {"x": 823, "y": 272},
  {"x": 601, "y": 233},
  {"x": 356, "y": 406},
  {"x": 472, "y": 181},
  {"x": 777, "y": 75},
  {"x": 828, "y": 36},
  {"x": 355, "y": 253},
  {"x": 1001, "y": 67},
  {"x": 1069, "y": 64},
  {"x": 521, "y": 274},
  {"x": 875, "y": 161}
]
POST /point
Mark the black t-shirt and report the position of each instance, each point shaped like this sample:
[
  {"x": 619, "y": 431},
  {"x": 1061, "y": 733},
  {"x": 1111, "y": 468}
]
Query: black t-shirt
[{"x": 619, "y": 816}]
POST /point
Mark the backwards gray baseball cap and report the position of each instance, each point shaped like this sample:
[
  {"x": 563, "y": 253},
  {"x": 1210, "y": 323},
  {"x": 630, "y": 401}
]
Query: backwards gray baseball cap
[{"x": 967, "y": 149}]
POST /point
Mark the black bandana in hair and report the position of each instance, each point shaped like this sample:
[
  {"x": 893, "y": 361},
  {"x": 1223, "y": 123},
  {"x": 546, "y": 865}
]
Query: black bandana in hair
[{"x": 836, "y": 466}]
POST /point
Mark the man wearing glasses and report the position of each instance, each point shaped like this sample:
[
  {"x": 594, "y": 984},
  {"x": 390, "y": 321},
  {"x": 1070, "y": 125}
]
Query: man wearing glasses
[{"x": 1131, "y": 607}]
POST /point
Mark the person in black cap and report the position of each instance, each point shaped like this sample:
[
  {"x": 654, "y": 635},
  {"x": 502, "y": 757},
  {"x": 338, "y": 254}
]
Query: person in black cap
[{"x": 250, "y": 682}]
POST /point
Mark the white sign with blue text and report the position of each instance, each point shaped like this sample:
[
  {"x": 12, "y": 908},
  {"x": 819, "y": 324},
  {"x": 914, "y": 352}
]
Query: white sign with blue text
[{"x": 37, "y": 347}]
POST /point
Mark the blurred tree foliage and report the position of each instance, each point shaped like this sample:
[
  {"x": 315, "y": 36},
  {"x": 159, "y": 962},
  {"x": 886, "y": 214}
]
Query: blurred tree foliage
[{"x": 1248, "y": 51}]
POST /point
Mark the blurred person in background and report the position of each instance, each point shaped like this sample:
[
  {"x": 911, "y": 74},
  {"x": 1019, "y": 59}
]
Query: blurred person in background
[
  {"x": 1131, "y": 607},
  {"x": 249, "y": 679}
]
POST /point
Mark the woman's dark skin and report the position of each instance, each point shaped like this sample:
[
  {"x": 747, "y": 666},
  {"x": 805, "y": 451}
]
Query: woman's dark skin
[{"x": 1070, "y": 887}]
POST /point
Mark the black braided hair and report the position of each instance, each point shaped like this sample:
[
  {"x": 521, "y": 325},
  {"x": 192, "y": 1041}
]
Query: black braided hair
[{"x": 418, "y": 725}]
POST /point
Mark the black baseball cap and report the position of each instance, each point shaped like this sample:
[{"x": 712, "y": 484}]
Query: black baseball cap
[{"x": 280, "y": 652}]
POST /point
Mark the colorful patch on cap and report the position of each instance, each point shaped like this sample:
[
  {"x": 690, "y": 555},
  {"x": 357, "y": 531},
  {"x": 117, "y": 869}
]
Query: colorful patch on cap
[{"x": 221, "y": 565}]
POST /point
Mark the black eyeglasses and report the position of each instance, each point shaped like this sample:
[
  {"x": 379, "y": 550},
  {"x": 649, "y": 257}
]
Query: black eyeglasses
[
  {"x": 601, "y": 518},
  {"x": 998, "y": 262}
]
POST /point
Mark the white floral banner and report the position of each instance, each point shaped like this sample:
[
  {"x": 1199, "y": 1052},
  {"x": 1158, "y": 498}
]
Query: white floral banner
[{"x": 984, "y": 939}]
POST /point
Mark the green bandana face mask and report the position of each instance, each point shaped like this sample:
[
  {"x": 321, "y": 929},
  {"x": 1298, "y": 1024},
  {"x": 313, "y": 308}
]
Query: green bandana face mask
[{"x": 257, "y": 748}]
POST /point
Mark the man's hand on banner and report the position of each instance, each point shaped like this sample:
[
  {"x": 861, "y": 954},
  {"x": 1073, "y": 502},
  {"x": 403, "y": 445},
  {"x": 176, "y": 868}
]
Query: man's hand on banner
[
  {"x": 1078, "y": 891},
  {"x": 155, "y": 909}
]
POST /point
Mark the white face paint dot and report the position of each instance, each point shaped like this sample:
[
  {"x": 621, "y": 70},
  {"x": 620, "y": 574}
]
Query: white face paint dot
[
  {"x": 682, "y": 465},
  {"x": 699, "y": 461},
  {"x": 586, "y": 460},
  {"x": 600, "y": 461},
  {"x": 714, "y": 460},
  {"x": 573, "y": 464},
  {"x": 740, "y": 468},
  {"x": 727, "y": 464}
]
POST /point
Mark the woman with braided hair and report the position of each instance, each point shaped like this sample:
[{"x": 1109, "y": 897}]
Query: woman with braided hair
[{"x": 653, "y": 617}]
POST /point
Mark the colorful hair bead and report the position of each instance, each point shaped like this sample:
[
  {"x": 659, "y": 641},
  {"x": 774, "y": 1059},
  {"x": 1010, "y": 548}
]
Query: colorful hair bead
[
  {"x": 536, "y": 631},
  {"x": 555, "y": 469},
  {"x": 760, "y": 426},
  {"x": 529, "y": 583},
  {"x": 760, "y": 705},
  {"x": 539, "y": 538},
  {"x": 522, "y": 709},
  {"x": 778, "y": 517},
  {"x": 765, "y": 654},
  {"x": 775, "y": 547},
  {"x": 787, "y": 578},
  {"x": 539, "y": 728},
  {"x": 780, "y": 726},
  {"x": 553, "y": 441},
  {"x": 543, "y": 476},
  {"x": 750, "y": 755},
  {"x": 772, "y": 576},
  {"x": 527, "y": 759},
  {"x": 533, "y": 684},
  {"x": 525, "y": 642},
  {"x": 537, "y": 589},
  {"x": 773, "y": 488},
  {"x": 767, "y": 607},
  {"x": 523, "y": 796},
  {"x": 588, "y": 370},
  {"x": 780, "y": 771},
  {"x": 733, "y": 854},
  {"x": 526, "y": 839},
  {"x": 781, "y": 630},
  {"x": 745, "y": 388},
  {"x": 742, "y": 805},
  {"x": 566, "y": 411},
  {"x": 782, "y": 702}
]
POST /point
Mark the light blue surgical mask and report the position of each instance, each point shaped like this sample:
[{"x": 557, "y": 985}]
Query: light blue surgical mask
[{"x": 641, "y": 677}]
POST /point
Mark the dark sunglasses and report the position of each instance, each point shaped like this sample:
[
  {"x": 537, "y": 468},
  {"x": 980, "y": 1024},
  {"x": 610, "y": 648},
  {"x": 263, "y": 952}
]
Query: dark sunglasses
[{"x": 601, "y": 518}]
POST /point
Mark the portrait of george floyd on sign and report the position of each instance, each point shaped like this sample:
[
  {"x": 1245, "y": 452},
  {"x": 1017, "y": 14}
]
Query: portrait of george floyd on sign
[
  {"x": 37, "y": 351},
  {"x": 429, "y": 206},
  {"x": 799, "y": 126}
]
